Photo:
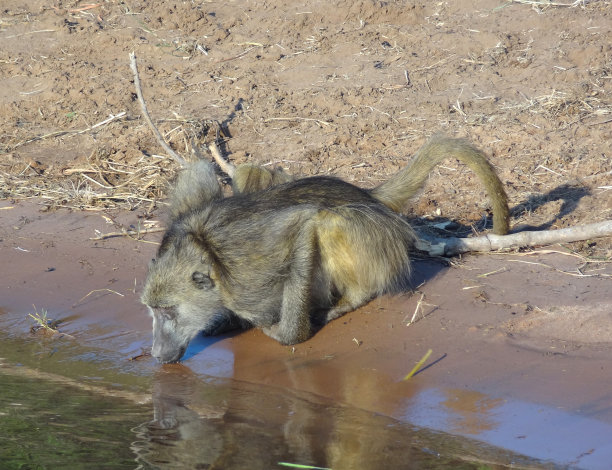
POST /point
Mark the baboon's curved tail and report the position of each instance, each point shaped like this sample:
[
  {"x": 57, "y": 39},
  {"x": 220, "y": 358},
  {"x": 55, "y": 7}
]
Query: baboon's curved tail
[{"x": 396, "y": 192}]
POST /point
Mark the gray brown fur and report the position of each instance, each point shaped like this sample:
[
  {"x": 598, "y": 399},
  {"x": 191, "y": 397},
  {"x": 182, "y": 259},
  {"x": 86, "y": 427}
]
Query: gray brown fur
[
  {"x": 250, "y": 178},
  {"x": 284, "y": 255}
]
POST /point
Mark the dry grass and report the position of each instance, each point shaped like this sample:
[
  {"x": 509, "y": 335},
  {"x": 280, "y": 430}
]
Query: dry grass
[
  {"x": 105, "y": 181},
  {"x": 88, "y": 188}
]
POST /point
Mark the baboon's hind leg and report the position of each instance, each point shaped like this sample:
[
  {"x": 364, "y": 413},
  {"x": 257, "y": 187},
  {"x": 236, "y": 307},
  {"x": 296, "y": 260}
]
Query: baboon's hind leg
[
  {"x": 347, "y": 303},
  {"x": 364, "y": 248}
]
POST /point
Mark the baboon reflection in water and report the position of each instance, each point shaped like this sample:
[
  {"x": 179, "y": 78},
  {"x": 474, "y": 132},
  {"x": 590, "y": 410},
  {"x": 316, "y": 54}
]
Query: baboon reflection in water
[{"x": 236, "y": 425}]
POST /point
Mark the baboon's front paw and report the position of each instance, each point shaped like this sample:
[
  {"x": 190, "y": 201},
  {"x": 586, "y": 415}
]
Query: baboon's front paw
[
  {"x": 274, "y": 332},
  {"x": 285, "y": 337}
]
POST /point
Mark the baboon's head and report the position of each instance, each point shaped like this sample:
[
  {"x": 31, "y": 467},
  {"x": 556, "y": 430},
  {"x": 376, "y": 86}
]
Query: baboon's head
[{"x": 183, "y": 297}]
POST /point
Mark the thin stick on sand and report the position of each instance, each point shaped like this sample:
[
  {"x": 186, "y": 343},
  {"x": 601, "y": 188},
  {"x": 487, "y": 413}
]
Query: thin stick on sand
[
  {"x": 128, "y": 233},
  {"x": 147, "y": 117},
  {"x": 225, "y": 166}
]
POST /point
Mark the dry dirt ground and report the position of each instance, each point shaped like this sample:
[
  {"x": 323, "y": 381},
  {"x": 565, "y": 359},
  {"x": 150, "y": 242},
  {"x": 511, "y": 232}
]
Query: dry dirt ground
[
  {"x": 347, "y": 88},
  {"x": 343, "y": 88}
]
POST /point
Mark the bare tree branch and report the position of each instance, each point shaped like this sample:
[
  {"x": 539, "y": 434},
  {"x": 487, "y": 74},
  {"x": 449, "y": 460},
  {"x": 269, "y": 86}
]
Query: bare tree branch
[
  {"x": 147, "y": 117},
  {"x": 435, "y": 246}
]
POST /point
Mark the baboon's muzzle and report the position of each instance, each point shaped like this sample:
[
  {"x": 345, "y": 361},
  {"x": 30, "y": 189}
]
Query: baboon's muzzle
[
  {"x": 165, "y": 354},
  {"x": 166, "y": 346}
]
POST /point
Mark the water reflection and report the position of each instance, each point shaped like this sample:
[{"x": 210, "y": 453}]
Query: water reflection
[
  {"x": 230, "y": 425},
  {"x": 473, "y": 412},
  {"x": 540, "y": 431}
]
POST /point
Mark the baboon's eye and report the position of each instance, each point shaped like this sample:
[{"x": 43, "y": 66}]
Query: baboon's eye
[
  {"x": 168, "y": 314},
  {"x": 202, "y": 281}
]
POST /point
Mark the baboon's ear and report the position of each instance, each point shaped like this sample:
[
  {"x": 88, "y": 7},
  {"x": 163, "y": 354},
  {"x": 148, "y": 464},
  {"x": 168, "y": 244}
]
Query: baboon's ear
[{"x": 202, "y": 281}]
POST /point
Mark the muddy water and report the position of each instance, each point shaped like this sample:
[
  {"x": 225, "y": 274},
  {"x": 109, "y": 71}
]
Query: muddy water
[
  {"x": 106, "y": 412},
  {"x": 50, "y": 425}
]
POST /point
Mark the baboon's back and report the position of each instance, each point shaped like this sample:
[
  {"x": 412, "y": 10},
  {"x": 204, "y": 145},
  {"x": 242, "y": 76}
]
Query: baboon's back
[{"x": 321, "y": 191}]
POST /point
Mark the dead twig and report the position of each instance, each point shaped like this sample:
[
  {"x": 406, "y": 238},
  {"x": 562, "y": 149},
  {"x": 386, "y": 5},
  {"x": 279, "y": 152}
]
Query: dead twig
[
  {"x": 25, "y": 371},
  {"x": 142, "y": 355},
  {"x": 85, "y": 7},
  {"x": 582, "y": 258},
  {"x": 98, "y": 290},
  {"x": 419, "y": 307},
  {"x": 28, "y": 33},
  {"x": 225, "y": 165},
  {"x": 128, "y": 233},
  {"x": 298, "y": 118},
  {"x": 416, "y": 310},
  {"x": 111, "y": 118},
  {"x": 236, "y": 56},
  {"x": 577, "y": 273},
  {"x": 145, "y": 112}
]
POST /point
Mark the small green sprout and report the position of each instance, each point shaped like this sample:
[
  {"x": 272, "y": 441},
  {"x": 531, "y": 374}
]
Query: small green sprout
[{"x": 43, "y": 321}]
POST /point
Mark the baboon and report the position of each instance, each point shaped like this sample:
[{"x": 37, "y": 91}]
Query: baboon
[{"x": 287, "y": 255}]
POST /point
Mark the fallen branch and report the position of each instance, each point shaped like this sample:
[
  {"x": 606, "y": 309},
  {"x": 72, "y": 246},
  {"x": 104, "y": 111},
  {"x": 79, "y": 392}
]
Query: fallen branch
[
  {"x": 236, "y": 56},
  {"x": 436, "y": 246},
  {"x": 145, "y": 113}
]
